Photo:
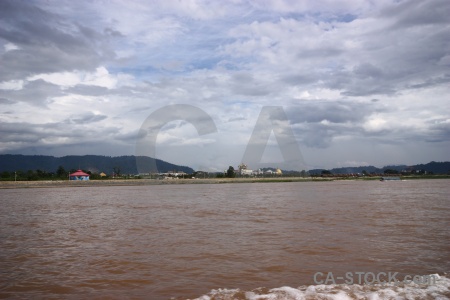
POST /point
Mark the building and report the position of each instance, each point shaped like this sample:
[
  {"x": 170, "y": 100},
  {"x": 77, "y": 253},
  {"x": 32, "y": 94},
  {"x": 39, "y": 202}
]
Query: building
[
  {"x": 247, "y": 172},
  {"x": 243, "y": 170},
  {"x": 79, "y": 175}
]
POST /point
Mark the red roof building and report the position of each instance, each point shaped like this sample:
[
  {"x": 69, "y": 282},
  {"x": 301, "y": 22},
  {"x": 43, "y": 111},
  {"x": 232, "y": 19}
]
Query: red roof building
[{"x": 79, "y": 175}]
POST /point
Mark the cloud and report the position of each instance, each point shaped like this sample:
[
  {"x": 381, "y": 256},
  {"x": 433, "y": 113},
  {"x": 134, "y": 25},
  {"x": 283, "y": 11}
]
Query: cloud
[
  {"x": 46, "y": 42},
  {"x": 340, "y": 111},
  {"x": 6, "y": 101},
  {"x": 11, "y": 85},
  {"x": 10, "y": 47},
  {"x": 359, "y": 58},
  {"x": 87, "y": 118},
  {"x": 351, "y": 76},
  {"x": 22, "y": 135},
  {"x": 101, "y": 78},
  {"x": 417, "y": 13},
  {"x": 36, "y": 93}
]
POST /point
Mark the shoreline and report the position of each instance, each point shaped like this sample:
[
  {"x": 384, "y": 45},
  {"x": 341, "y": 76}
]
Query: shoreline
[
  {"x": 143, "y": 182},
  {"x": 146, "y": 182}
]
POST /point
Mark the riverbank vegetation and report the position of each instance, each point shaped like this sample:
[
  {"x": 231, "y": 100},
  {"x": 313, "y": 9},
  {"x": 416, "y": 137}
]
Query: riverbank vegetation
[{"x": 61, "y": 175}]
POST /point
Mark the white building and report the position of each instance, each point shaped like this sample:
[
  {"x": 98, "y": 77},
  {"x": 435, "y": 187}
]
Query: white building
[{"x": 246, "y": 172}]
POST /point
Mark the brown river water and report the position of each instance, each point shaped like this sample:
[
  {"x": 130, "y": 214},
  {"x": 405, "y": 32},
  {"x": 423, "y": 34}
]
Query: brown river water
[{"x": 225, "y": 241}]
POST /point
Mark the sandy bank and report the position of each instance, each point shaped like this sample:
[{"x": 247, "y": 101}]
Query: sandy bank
[{"x": 140, "y": 182}]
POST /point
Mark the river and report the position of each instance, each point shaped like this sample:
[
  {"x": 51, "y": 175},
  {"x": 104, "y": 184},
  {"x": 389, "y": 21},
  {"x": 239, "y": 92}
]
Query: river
[{"x": 213, "y": 241}]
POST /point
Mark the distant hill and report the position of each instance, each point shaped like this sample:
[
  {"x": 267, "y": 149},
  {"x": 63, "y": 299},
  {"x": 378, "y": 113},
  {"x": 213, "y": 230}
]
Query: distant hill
[
  {"x": 434, "y": 167},
  {"x": 93, "y": 163}
]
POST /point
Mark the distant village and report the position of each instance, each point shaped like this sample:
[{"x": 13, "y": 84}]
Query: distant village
[
  {"x": 241, "y": 171},
  {"x": 82, "y": 175}
]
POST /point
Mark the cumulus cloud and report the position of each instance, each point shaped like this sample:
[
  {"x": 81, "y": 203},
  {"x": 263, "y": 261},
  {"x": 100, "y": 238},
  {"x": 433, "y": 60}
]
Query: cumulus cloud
[
  {"x": 11, "y": 85},
  {"x": 37, "y": 93},
  {"x": 100, "y": 78},
  {"x": 348, "y": 74},
  {"x": 47, "y": 42}
]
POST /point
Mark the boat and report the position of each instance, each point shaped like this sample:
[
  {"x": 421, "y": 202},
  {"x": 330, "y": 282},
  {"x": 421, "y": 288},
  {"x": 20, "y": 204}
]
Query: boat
[{"x": 389, "y": 178}]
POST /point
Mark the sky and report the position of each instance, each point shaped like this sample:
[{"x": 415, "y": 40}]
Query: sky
[{"x": 353, "y": 83}]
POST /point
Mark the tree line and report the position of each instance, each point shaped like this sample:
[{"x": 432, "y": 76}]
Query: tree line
[{"x": 59, "y": 174}]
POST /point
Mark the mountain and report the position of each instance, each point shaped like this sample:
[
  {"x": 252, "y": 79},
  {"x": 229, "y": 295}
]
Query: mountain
[
  {"x": 127, "y": 165},
  {"x": 93, "y": 163},
  {"x": 433, "y": 167}
]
